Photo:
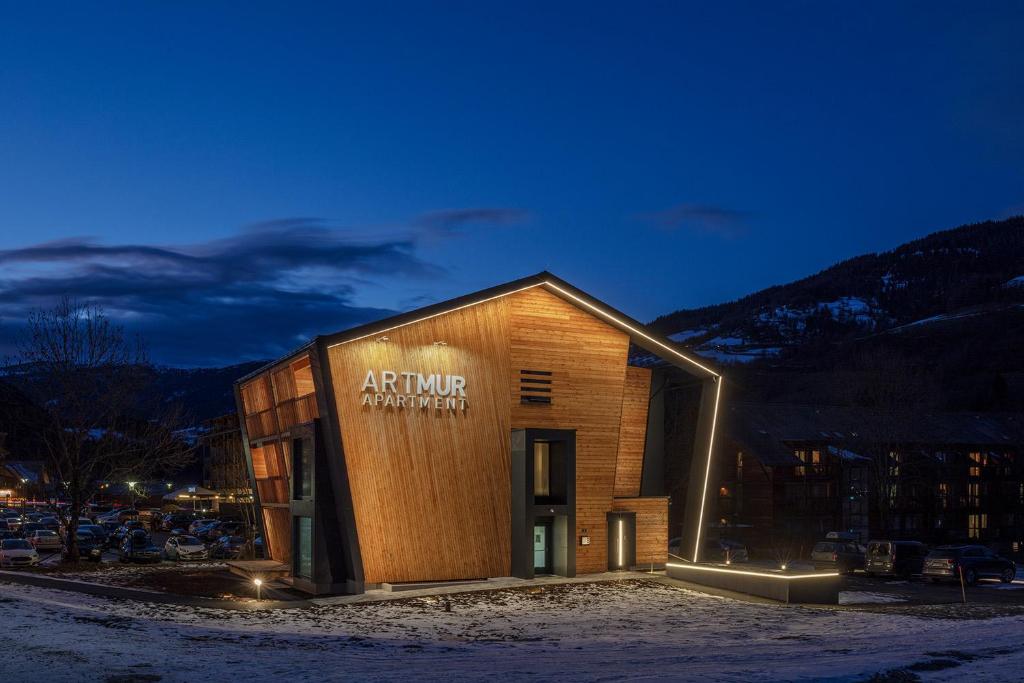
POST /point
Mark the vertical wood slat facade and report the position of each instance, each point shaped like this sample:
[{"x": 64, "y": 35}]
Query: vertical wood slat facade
[
  {"x": 274, "y": 402},
  {"x": 651, "y": 528},
  {"x": 430, "y": 488},
  {"x": 588, "y": 360},
  {"x": 632, "y": 432}
]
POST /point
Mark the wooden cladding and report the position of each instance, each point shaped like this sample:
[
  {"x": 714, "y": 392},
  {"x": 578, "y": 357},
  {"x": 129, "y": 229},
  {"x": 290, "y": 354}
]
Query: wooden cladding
[
  {"x": 536, "y": 386},
  {"x": 651, "y": 528},
  {"x": 277, "y": 522},
  {"x": 632, "y": 431},
  {"x": 430, "y": 487},
  {"x": 588, "y": 360},
  {"x": 273, "y": 403}
]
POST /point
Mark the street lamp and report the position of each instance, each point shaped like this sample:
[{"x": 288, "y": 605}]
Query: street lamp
[
  {"x": 24, "y": 493},
  {"x": 131, "y": 490}
]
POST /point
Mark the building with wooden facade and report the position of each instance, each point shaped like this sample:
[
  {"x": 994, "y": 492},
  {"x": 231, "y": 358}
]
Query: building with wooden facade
[{"x": 504, "y": 433}]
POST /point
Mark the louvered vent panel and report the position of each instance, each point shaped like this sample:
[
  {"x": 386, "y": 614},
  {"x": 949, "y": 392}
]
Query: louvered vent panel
[{"x": 535, "y": 386}]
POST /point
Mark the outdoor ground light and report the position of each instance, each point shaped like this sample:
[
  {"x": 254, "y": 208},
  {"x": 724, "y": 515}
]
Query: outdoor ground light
[{"x": 258, "y": 582}]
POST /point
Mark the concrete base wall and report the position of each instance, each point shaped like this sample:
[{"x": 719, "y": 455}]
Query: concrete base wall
[{"x": 822, "y": 589}]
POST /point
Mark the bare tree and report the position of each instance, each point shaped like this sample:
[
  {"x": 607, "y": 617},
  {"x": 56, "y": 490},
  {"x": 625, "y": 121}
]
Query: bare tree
[
  {"x": 93, "y": 386},
  {"x": 898, "y": 393}
]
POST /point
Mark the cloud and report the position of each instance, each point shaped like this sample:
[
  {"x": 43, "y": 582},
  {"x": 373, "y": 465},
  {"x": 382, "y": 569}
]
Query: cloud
[
  {"x": 256, "y": 294},
  {"x": 701, "y": 219},
  {"x": 451, "y": 222}
]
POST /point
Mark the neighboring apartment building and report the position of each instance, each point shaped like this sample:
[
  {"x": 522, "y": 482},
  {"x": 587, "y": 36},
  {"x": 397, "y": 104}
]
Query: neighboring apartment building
[
  {"x": 788, "y": 474},
  {"x": 223, "y": 459}
]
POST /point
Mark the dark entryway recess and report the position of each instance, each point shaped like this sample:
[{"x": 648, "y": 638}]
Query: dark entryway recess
[
  {"x": 543, "y": 499},
  {"x": 621, "y": 540}
]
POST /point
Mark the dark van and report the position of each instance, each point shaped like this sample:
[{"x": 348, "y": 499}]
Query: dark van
[{"x": 895, "y": 558}]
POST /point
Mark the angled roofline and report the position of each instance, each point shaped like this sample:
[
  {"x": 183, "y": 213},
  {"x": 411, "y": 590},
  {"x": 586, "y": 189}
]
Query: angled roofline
[{"x": 636, "y": 331}]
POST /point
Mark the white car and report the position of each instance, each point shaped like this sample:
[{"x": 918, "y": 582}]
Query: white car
[
  {"x": 17, "y": 552},
  {"x": 185, "y": 548},
  {"x": 44, "y": 539}
]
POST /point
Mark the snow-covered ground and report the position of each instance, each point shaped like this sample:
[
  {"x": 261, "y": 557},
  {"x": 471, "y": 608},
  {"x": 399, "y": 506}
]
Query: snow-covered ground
[{"x": 623, "y": 630}]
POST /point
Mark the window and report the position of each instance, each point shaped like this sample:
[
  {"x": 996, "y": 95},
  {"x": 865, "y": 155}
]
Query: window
[
  {"x": 541, "y": 469},
  {"x": 303, "y": 547},
  {"x": 302, "y": 468},
  {"x": 550, "y": 485},
  {"x": 943, "y": 495},
  {"x": 974, "y": 494},
  {"x": 978, "y": 461},
  {"x": 975, "y": 524},
  {"x": 739, "y": 466}
]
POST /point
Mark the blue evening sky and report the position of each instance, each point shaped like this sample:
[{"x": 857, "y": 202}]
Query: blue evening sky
[{"x": 658, "y": 155}]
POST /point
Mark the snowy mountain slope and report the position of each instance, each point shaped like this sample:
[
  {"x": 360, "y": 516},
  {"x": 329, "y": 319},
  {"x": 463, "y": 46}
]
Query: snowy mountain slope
[{"x": 957, "y": 294}]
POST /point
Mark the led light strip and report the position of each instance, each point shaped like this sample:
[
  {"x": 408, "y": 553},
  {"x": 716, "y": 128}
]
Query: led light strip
[
  {"x": 707, "y": 470},
  {"x": 784, "y": 577},
  {"x": 629, "y": 327}
]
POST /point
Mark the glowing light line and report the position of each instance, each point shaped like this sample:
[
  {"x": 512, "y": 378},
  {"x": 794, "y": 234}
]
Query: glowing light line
[
  {"x": 707, "y": 470},
  {"x": 784, "y": 577},
  {"x": 629, "y": 327},
  {"x": 622, "y": 542}
]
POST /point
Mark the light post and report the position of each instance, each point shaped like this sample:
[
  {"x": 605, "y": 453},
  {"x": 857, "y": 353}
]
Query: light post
[
  {"x": 131, "y": 490},
  {"x": 258, "y": 583},
  {"x": 24, "y": 494}
]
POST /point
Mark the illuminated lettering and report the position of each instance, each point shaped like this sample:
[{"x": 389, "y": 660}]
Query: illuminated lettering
[{"x": 407, "y": 389}]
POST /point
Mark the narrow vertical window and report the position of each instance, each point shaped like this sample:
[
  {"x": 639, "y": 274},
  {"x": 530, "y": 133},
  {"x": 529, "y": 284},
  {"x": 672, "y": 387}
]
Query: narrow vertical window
[{"x": 541, "y": 469}]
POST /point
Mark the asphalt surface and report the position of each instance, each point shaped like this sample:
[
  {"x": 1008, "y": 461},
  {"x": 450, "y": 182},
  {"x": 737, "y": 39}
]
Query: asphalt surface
[{"x": 917, "y": 591}]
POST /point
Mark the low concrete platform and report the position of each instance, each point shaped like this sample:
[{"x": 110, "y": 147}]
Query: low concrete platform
[{"x": 820, "y": 588}]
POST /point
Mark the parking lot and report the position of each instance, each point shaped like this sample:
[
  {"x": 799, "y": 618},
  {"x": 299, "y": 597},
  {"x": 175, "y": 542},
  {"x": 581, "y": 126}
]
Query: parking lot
[{"x": 861, "y": 589}]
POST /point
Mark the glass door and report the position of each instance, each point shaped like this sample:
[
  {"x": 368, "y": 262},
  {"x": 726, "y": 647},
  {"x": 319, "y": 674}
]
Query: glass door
[{"x": 542, "y": 546}]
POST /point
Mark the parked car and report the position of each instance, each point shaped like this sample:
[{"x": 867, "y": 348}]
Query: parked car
[
  {"x": 121, "y": 516},
  {"x": 5, "y": 534},
  {"x": 98, "y": 532},
  {"x": 209, "y": 532},
  {"x": 45, "y": 539},
  {"x": 194, "y": 527},
  {"x": 946, "y": 563},
  {"x": 228, "y": 548},
  {"x": 137, "y": 547},
  {"x": 895, "y": 558},
  {"x": 50, "y": 523},
  {"x": 17, "y": 552},
  {"x": 13, "y": 519},
  {"x": 723, "y": 550},
  {"x": 843, "y": 556},
  {"x": 89, "y": 546},
  {"x": 185, "y": 548},
  {"x": 122, "y": 532},
  {"x": 29, "y": 528}
]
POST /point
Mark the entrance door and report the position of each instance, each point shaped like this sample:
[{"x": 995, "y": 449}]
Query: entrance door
[
  {"x": 542, "y": 546},
  {"x": 621, "y": 540}
]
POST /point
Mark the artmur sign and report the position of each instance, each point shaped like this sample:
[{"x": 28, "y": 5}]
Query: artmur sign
[{"x": 388, "y": 388}]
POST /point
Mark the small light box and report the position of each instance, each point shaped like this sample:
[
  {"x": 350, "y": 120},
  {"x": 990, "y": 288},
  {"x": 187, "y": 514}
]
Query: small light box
[{"x": 584, "y": 540}]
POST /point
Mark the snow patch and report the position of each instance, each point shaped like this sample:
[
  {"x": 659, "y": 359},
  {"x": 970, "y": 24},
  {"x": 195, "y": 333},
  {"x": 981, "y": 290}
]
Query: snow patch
[{"x": 867, "y": 598}]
